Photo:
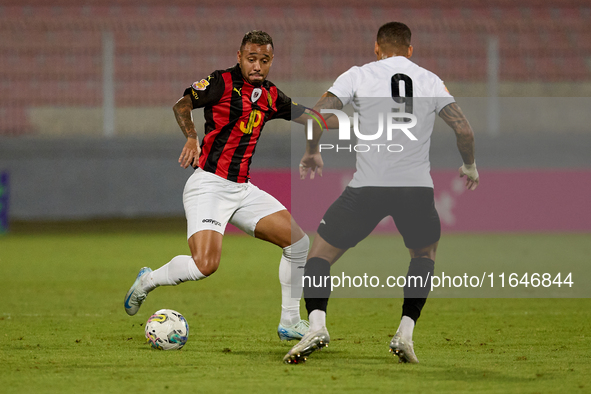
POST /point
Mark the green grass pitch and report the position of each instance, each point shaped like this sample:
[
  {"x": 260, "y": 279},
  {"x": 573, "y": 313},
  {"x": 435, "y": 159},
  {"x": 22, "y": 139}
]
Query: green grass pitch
[{"x": 63, "y": 328}]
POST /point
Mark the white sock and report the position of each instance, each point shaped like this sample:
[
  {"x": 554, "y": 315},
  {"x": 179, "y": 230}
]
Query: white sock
[
  {"x": 406, "y": 327},
  {"x": 293, "y": 258},
  {"x": 177, "y": 270},
  {"x": 317, "y": 320}
]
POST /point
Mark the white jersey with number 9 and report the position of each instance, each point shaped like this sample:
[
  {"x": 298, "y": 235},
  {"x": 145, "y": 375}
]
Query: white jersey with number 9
[{"x": 377, "y": 89}]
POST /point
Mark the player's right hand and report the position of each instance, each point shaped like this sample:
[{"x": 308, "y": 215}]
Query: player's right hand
[
  {"x": 311, "y": 163},
  {"x": 190, "y": 153}
]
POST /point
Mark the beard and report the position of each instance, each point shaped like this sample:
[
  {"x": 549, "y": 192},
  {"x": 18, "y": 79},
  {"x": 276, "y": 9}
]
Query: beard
[{"x": 257, "y": 82}]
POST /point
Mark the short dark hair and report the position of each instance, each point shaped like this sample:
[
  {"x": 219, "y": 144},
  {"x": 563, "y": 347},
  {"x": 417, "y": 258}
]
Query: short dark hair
[
  {"x": 394, "y": 35},
  {"x": 257, "y": 37}
]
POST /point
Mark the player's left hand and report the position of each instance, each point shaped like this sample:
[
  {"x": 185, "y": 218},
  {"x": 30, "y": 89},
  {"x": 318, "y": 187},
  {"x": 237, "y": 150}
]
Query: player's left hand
[
  {"x": 311, "y": 163},
  {"x": 190, "y": 153}
]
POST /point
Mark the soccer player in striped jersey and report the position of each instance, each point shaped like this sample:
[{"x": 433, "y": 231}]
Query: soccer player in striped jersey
[
  {"x": 237, "y": 103},
  {"x": 393, "y": 183}
]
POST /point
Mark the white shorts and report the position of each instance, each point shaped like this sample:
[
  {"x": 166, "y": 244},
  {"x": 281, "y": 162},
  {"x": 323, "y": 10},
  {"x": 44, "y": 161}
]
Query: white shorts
[{"x": 211, "y": 202}]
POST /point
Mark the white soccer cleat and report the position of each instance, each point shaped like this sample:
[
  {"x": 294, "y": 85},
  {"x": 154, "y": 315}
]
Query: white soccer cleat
[
  {"x": 403, "y": 349},
  {"x": 297, "y": 331},
  {"x": 311, "y": 342},
  {"x": 136, "y": 295}
]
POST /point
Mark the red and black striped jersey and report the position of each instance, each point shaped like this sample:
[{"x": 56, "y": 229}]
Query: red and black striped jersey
[{"x": 235, "y": 113}]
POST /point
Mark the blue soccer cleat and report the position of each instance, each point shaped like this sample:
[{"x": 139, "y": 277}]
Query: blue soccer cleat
[
  {"x": 136, "y": 295},
  {"x": 297, "y": 331}
]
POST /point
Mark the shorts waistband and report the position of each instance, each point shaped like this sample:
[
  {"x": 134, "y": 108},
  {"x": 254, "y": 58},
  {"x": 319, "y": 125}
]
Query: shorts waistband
[{"x": 219, "y": 178}]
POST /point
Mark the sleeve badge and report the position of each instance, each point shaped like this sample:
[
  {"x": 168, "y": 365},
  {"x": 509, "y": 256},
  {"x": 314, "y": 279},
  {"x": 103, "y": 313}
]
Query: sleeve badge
[{"x": 200, "y": 85}]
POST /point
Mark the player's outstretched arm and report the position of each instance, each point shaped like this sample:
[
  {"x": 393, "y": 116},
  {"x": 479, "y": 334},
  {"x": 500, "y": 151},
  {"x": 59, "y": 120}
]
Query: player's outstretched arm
[
  {"x": 182, "y": 112},
  {"x": 312, "y": 160},
  {"x": 326, "y": 101},
  {"x": 452, "y": 115}
]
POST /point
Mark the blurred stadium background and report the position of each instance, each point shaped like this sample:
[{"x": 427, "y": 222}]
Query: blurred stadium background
[{"x": 87, "y": 86}]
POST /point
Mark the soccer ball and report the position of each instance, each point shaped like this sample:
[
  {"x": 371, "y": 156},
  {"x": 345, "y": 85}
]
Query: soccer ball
[{"x": 167, "y": 330}]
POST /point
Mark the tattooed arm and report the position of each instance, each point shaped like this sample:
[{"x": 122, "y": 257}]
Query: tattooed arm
[
  {"x": 452, "y": 115},
  {"x": 182, "y": 112},
  {"x": 327, "y": 101}
]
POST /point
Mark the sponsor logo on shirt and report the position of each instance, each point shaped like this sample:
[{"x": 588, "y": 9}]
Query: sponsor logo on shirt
[{"x": 254, "y": 120}]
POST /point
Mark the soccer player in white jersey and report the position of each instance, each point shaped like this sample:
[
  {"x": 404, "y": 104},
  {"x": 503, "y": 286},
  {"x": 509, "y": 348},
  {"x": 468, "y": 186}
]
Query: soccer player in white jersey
[{"x": 386, "y": 183}]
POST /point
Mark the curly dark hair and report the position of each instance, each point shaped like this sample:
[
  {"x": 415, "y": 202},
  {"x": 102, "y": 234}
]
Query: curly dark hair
[{"x": 256, "y": 37}]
